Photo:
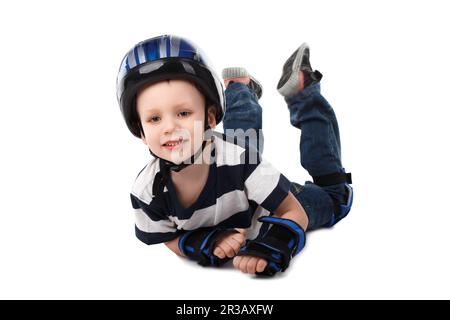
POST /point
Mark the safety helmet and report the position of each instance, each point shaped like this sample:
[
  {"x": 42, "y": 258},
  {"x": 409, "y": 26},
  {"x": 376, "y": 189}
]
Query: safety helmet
[{"x": 163, "y": 58}]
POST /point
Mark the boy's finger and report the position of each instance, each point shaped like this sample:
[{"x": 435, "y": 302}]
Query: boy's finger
[
  {"x": 251, "y": 265},
  {"x": 234, "y": 244},
  {"x": 243, "y": 264},
  {"x": 261, "y": 265},
  {"x": 239, "y": 238},
  {"x": 218, "y": 252},
  {"x": 236, "y": 261},
  {"x": 229, "y": 250}
]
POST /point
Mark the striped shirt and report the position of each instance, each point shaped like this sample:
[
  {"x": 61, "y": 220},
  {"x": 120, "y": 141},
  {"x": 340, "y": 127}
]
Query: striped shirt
[{"x": 240, "y": 188}]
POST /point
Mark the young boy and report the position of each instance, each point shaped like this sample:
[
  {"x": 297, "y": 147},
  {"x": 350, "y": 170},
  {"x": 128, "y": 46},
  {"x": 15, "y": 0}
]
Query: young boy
[{"x": 210, "y": 196}]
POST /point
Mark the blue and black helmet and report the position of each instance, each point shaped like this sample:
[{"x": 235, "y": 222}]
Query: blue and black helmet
[{"x": 162, "y": 58}]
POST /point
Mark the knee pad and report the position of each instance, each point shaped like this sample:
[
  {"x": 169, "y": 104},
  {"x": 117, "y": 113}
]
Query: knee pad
[
  {"x": 198, "y": 245},
  {"x": 340, "y": 210},
  {"x": 278, "y": 245}
]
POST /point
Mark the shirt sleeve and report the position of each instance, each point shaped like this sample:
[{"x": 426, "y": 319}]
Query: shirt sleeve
[
  {"x": 152, "y": 225},
  {"x": 264, "y": 184}
]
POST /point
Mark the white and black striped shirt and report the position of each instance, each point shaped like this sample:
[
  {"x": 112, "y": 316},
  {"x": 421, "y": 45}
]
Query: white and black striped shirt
[{"x": 241, "y": 187}]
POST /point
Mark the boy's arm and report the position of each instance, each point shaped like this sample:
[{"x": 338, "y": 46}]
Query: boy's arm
[
  {"x": 291, "y": 209},
  {"x": 272, "y": 252},
  {"x": 173, "y": 245}
]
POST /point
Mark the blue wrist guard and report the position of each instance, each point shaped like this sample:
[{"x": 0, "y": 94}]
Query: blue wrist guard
[
  {"x": 278, "y": 245},
  {"x": 198, "y": 245}
]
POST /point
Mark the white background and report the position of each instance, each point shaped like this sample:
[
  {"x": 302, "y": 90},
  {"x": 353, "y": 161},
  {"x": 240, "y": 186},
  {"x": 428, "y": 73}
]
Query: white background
[{"x": 68, "y": 161}]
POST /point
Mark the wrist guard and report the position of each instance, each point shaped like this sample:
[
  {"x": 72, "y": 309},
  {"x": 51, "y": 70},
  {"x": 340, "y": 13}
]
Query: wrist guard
[
  {"x": 198, "y": 245},
  {"x": 278, "y": 245}
]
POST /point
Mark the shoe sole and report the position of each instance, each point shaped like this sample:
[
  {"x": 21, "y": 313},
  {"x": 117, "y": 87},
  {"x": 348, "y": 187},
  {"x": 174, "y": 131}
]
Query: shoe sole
[
  {"x": 288, "y": 84},
  {"x": 237, "y": 72}
]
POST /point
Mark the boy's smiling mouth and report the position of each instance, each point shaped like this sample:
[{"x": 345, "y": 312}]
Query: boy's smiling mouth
[{"x": 173, "y": 144}]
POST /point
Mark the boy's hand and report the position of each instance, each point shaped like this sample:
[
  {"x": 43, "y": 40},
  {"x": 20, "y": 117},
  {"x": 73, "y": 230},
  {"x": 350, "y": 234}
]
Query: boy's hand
[
  {"x": 249, "y": 264},
  {"x": 230, "y": 244}
]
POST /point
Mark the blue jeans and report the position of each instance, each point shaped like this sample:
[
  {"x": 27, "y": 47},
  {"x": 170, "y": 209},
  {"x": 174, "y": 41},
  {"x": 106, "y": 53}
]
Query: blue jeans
[{"x": 320, "y": 150}]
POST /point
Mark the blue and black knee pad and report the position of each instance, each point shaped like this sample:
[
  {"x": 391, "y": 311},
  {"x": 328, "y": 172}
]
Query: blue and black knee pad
[
  {"x": 278, "y": 245},
  {"x": 340, "y": 210},
  {"x": 198, "y": 245}
]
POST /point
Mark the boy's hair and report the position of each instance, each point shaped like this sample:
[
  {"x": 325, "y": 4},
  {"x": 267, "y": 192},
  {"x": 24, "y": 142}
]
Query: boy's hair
[{"x": 136, "y": 119}]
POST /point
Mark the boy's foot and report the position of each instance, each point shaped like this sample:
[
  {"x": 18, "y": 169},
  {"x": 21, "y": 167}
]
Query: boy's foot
[
  {"x": 236, "y": 74},
  {"x": 297, "y": 73}
]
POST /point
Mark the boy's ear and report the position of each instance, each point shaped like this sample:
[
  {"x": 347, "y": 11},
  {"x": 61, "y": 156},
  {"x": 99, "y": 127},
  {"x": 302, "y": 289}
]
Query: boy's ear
[{"x": 212, "y": 116}]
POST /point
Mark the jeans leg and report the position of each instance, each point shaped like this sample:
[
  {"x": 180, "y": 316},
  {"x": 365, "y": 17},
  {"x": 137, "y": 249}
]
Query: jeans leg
[
  {"x": 320, "y": 147},
  {"x": 243, "y": 115},
  {"x": 320, "y": 151},
  {"x": 316, "y": 202}
]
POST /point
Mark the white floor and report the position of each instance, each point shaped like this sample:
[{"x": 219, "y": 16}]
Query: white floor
[{"x": 68, "y": 161}]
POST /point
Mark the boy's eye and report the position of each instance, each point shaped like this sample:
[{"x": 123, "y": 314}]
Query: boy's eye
[
  {"x": 153, "y": 119},
  {"x": 184, "y": 113}
]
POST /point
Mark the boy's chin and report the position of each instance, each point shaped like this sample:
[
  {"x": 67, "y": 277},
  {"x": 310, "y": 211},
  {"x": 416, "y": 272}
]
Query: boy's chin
[{"x": 174, "y": 158}]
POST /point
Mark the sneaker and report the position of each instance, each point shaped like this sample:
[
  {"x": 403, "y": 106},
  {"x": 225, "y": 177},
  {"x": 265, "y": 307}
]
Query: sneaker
[
  {"x": 299, "y": 61},
  {"x": 236, "y": 72}
]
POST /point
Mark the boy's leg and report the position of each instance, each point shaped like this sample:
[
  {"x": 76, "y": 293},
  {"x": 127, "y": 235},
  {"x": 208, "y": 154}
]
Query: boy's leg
[
  {"x": 320, "y": 147},
  {"x": 328, "y": 199},
  {"x": 320, "y": 154},
  {"x": 243, "y": 115}
]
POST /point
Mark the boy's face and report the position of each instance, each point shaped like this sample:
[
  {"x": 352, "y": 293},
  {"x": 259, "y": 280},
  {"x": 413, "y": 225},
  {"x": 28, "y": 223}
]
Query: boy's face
[{"x": 173, "y": 111}]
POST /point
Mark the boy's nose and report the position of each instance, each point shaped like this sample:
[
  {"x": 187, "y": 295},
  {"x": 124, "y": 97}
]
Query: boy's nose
[{"x": 169, "y": 125}]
